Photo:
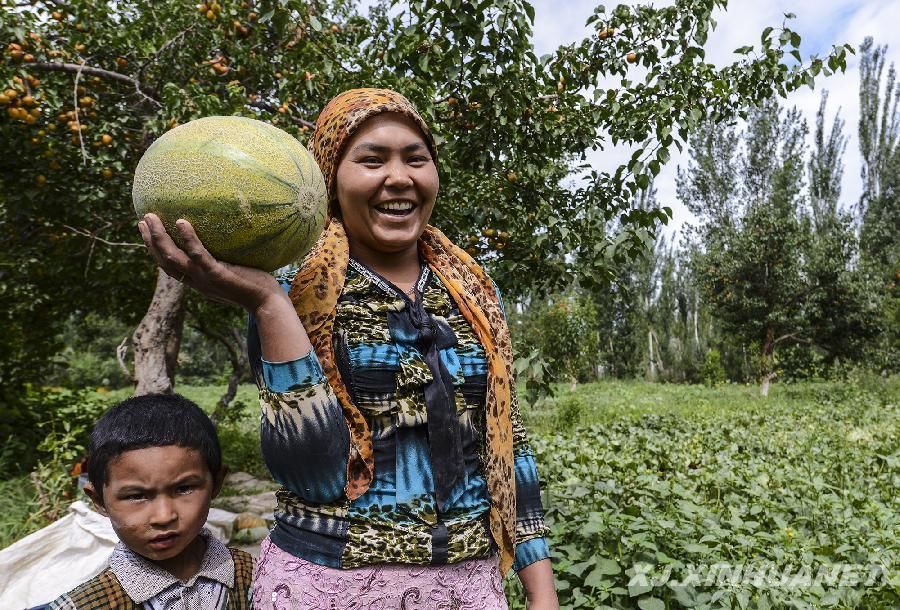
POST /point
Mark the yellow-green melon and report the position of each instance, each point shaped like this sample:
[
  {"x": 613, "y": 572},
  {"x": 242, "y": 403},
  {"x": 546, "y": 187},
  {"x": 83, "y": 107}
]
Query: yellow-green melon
[{"x": 253, "y": 193}]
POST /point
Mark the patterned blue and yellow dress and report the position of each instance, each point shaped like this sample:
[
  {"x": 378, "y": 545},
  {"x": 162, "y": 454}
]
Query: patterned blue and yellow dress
[{"x": 401, "y": 359}]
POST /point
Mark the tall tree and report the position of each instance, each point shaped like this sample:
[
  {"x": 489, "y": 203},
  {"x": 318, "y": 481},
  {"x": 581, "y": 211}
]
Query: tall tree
[
  {"x": 879, "y": 119},
  {"x": 842, "y": 309},
  {"x": 879, "y": 208},
  {"x": 826, "y": 168},
  {"x": 782, "y": 269}
]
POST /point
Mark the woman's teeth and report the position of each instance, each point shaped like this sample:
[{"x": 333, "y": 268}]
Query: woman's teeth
[{"x": 395, "y": 207}]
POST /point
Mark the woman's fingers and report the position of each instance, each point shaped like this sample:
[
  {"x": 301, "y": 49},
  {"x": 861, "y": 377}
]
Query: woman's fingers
[
  {"x": 163, "y": 249},
  {"x": 199, "y": 256}
]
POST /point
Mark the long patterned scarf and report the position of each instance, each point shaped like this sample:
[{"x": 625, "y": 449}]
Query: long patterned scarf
[{"x": 320, "y": 281}]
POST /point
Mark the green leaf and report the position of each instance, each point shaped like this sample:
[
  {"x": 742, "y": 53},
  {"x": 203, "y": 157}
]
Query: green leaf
[
  {"x": 577, "y": 569},
  {"x": 608, "y": 566},
  {"x": 651, "y": 603},
  {"x": 314, "y": 23},
  {"x": 635, "y": 590},
  {"x": 598, "y": 576},
  {"x": 529, "y": 10}
]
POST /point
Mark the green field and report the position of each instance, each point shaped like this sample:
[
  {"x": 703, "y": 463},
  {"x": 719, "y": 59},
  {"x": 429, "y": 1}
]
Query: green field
[
  {"x": 674, "y": 496},
  {"x": 722, "y": 499}
]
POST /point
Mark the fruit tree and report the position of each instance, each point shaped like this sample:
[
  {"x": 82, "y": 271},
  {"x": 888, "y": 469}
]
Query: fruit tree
[{"x": 86, "y": 86}]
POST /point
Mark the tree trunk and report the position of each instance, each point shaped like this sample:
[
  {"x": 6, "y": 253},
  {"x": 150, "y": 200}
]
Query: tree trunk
[
  {"x": 121, "y": 351},
  {"x": 696, "y": 324},
  {"x": 651, "y": 363},
  {"x": 158, "y": 338},
  {"x": 658, "y": 361},
  {"x": 237, "y": 355},
  {"x": 768, "y": 363}
]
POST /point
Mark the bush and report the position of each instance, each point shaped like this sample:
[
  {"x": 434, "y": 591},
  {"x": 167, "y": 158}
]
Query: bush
[
  {"x": 713, "y": 371},
  {"x": 61, "y": 421},
  {"x": 562, "y": 331},
  {"x": 18, "y": 503},
  {"x": 569, "y": 412},
  {"x": 241, "y": 451},
  {"x": 41, "y": 412},
  {"x": 801, "y": 362}
]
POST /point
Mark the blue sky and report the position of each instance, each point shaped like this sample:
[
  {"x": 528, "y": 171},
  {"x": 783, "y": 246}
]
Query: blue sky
[{"x": 820, "y": 23}]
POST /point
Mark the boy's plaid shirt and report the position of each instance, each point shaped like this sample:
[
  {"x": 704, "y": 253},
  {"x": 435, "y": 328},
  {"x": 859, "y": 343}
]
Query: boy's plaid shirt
[{"x": 227, "y": 576}]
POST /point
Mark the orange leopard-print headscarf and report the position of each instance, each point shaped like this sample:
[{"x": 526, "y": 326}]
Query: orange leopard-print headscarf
[{"x": 318, "y": 285}]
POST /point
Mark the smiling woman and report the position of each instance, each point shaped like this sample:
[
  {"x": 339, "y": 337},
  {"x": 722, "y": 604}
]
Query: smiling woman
[{"x": 389, "y": 412}]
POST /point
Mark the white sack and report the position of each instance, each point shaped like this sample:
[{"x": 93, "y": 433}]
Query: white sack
[{"x": 44, "y": 565}]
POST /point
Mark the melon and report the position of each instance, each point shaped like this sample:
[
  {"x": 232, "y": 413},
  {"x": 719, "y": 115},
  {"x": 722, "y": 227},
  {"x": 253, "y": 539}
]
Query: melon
[{"x": 253, "y": 193}]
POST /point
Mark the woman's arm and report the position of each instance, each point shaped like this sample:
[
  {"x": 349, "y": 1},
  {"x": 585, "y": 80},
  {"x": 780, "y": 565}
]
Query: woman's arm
[
  {"x": 282, "y": 337},
  {"x": 540, "y": 589}
]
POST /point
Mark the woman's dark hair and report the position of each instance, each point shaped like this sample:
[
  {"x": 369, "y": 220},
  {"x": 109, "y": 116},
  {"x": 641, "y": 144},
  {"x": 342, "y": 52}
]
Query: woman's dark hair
[{"x": 152, "y": 420}]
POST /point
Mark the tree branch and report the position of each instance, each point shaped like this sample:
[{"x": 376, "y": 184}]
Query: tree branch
[
  {"x": 789, "y": 336},
  {"x": 236, "y": 355},
  {"x": 94, "y": 237},
  {"x": 166, "y": 45},
  {"x": 92, "y": 71},
  {"x": 84, "y": 157},
  {"x": 270, "y": 108}
]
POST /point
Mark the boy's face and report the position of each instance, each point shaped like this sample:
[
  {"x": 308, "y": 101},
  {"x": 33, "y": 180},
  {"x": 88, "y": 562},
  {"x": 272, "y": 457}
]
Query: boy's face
[{"x": 157, "y": 499}]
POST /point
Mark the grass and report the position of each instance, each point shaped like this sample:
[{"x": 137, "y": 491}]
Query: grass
[
  {"x": 17, "y": 503},
  {"x": 616, "y": 400}
]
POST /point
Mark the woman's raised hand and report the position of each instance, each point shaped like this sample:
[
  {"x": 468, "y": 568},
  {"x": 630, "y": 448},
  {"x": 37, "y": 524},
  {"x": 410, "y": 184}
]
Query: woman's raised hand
[{"x": 244, "y": 286}]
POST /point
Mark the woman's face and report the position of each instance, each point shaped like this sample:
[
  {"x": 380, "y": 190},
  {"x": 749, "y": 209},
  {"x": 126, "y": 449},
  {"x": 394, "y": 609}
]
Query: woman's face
[{"x": 386, "y": 184}]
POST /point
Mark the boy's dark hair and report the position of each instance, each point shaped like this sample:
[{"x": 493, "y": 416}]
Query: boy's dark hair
[{"x": 151, "y": 420}]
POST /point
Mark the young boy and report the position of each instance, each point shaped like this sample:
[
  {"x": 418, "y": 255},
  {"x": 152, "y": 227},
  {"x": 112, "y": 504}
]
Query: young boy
[{"x": 154, "y": 466}]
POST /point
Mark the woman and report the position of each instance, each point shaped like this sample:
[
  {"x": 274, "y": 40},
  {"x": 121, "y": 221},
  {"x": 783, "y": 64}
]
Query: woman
[{"x": 389, "y": 412}]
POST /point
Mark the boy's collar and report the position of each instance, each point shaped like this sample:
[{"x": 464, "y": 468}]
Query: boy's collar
[{"x": 143, "y": 580}]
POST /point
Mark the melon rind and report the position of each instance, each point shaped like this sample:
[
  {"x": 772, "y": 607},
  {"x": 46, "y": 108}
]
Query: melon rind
[{"x": 252, "y": 192}]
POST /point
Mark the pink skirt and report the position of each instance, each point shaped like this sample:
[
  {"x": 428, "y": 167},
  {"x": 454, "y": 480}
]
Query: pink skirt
[{"x": 285, "y": 582}]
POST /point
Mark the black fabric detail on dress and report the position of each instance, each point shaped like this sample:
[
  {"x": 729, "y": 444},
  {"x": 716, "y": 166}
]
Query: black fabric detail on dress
[
  {"x": 431, "y": 336},
  {"x": 474, "y": 389},
  {"x": 376, "y": 381},
  {"x": 439, "y": 544}
]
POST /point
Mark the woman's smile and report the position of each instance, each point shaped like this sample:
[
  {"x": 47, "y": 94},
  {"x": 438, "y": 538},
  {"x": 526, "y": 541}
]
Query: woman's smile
[{"x": 399, "y": 208}]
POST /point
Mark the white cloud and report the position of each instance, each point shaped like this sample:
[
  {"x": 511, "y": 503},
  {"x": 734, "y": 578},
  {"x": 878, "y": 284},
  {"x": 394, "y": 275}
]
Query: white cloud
[{"x": 821, "y": 23}]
